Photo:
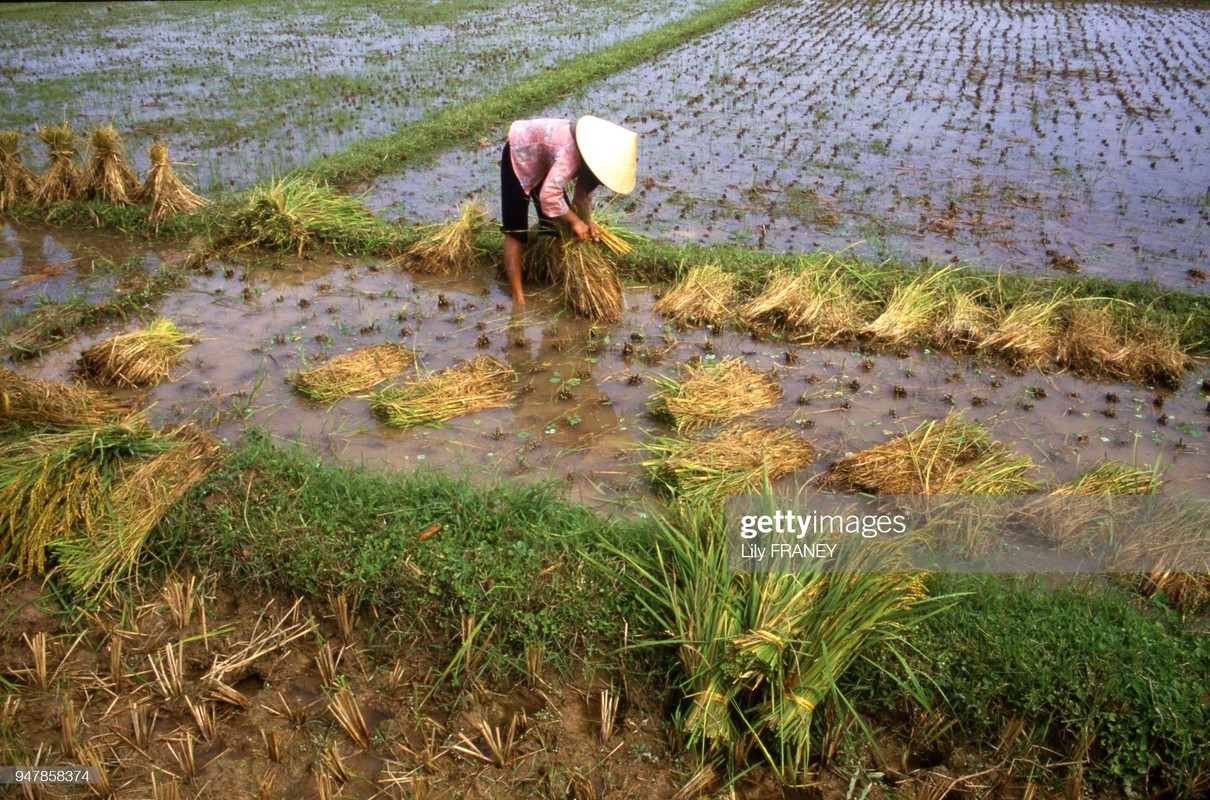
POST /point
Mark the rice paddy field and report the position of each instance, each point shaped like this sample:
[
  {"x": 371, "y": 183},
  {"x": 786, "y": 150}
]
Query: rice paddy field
[
  {"x": 296, "y": 503},
  {"x": 1017, "y": 136}
]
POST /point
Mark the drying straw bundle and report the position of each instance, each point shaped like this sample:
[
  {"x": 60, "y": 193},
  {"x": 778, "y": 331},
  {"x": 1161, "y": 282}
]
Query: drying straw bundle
[
  {"x": 912, "y": 311},
  {"x": 163, "y": 189},
  {"x": 543, "y": 259},
  {"x": 966, "y": 322},
  {"x": 475, "y": 385},
  {"x": 93, "y": 563},
  {"x": 354, "y": 372},
  {"x": 811, "y": 305},
  {"x": 591, "y": 287},
  {"x": 616, "y": 244},
  {"x": 137, "y": 359},
  {"x": 706, "y": 296},
  {"x": 18, "y": 183},
  {"x": 1075, "y": 515},
  {"x": 1153, "y": 354},
  {"x": 938, "y": 457},
  {"x": 449, "y": 249},
  {"x": 108, "y": 176},
  {"x": 736, "y": 461},
  {"x": 1027, "y": 334},
  {"x": 50, "y": 403},
  {"x": 63, "y": 180},
  {"x": 1170, "y": 547},
  {"x": 710, "y": 394}
]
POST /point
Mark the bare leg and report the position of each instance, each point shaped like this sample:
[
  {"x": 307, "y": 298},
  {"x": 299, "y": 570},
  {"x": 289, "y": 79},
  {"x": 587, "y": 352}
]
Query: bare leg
[{"x": 514, "y": 250}]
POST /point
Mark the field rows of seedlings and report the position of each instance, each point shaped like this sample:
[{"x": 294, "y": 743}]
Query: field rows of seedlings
[
  {"x": 1020, "y": 135},
  {"x": 250, "y": 91}
]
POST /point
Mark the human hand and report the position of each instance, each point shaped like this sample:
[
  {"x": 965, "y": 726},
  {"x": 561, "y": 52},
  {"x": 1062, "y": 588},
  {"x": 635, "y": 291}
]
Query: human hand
[
  {"x": 594, "y": 232},
  {"x": 581, "y": 230}
]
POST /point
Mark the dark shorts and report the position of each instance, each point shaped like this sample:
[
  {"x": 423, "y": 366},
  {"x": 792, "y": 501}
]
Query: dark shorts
[{"x": 514, "y": 203}]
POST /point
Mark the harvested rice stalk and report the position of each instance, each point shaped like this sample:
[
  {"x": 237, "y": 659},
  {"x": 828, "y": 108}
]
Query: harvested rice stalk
[
  {"x": 1173, "y": 541},
  {"x": 736, "y": 461},
  {"x": 63, "y": 180},
  {"x": 1153, "y": 354},
  {"x": 1072, "y": 518},
  {"x": 543, "y": 262},
  {"x": 449, "y": 249},
  {"x": 108, "y": 176},
  {"x": 138, "y": 359},
  {"x": 912, "y": 311},
  {"x": 296, "y": 214},
  {"x": 714, "y": 393},
  {"x": 616, "y": 243},
  {"x": 54, "y": 404},
  {"x": 1091, "y": 344},
  {"x": 706, "y": 296},
  {"x": 475, "y": 385},
  {"x": 166, "y": 193},
  {"x": 58, "y": 484},
  {"x": 966, "y": 322},
  {"x": 591, "y": 287},
  {"x": 92, "y": 564},
  {"x": 1026, "y": 334},
  {"x": 1113, "y": 478},
  {"x": 946, "y": 456},
  {"x": 18, "y": 183},
  {"x": 354, "y": 372},
  {"x": 811, "y": 306}
]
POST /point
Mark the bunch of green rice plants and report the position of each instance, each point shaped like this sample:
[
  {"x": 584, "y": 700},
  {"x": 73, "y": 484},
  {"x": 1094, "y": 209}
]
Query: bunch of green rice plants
[
  {"x": 912, "y": 310},
  {"x": 735, "y": 461},
  {"x": 296, "y": 214},
  {"x": 482, "y": 383},
  {"x": 1026, "y": 332},
  {"x": 712, "y": 393},
  {"x": 811, "y": 304}
]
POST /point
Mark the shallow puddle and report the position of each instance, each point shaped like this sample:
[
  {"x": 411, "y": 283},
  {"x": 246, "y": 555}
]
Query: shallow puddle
[{"x": 580, "y": 412}]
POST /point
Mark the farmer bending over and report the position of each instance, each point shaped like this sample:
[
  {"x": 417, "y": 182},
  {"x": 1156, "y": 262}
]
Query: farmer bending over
[{"x": 541, "y": 156}]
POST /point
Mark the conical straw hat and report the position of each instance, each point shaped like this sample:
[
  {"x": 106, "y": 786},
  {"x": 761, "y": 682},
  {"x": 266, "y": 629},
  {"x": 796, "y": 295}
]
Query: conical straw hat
[{"x": 610, "y": 151}]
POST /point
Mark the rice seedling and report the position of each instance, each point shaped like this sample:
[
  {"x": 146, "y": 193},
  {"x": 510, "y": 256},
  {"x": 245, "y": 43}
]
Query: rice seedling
[
  {"x": 1027, "y": 333},
  {"x": 93, "y": 563},
  {"x": 347, "y": 711},
  {"x": 709, "y": 394},
  {"x": 608, "y": 714},
  {"x": 938, "y": 457},
  {"x": 296, "y": 214},
  {"x": 449, "y": 249},
  {"x": 966, "y": 322},
  {"x": 108, "y": 176},
  {"x": 911, "y": 312},
  {"x": 54, "y": 485},
  {"x": 543, "y": 261},
  {"x": 204, "y": 717},
  {"x": 616, "y": 243},
  {"x": 53, "y": 404},
  {"x": 482, "y": 383},
  {"x": 163, "y": 190},
  {"x": 811, "y": 305},
  {"x": 63, "y": 180},
  {"x": 738, "y": 460},
  {"x": 350, "y": 373},
  {"x": 590, "y": 284},
  {"x": 18, "y": 183},
  {"x": 138, "y": 359},
  {"x": 707, "y": 295}
]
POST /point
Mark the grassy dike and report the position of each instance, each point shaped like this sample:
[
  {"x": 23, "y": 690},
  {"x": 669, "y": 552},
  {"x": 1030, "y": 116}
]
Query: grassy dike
[{"x": 1095, "y": 676}]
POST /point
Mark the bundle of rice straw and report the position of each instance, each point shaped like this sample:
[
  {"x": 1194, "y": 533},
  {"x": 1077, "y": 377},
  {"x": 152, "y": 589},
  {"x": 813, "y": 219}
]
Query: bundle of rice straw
[
  {"x": 811, "y": 305},
  {"x": 108, "y": 176},
  {"x": 738, "y": 460},
  {"x": 912, "y": 311},
  {"x": 1168, "y": 551},
  {"x": 18, "y": 183},
  {"x": 296, "y": 213},
  {"x": 714, "y": 393},
  {"x": 475, "y": 385},
  {"x": 1026, "y": 334},
  {"x": 63, "y": 180},
  {"x": 543, "y": 261},
  {"x": 590, "y": 284},
  {"x": 163, "y": 189},
  {"x": 138, "y": 359},
  {"x": 449, "y": 249},
  {"x": 966, "y": 322},
  {"x": 95, "y": 562},
  {"x": 354, "y": 372},
  {"x": 938, "y": 457},
  {"x": 706, "y": 296},
  {"x": 50, "y": 403},
  {"x": 616, "y": 244},
  {"x": 58, "y": 484},
  {"x": 1153, "y": 354},
  {"x": 1073, "y": 517}
]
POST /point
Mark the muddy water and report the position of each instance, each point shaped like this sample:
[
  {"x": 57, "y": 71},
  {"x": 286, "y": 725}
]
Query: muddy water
[
  {"x": 254, "y": 90},
  {"x": 1005, "y": 135},
  {"x": 577, "y": 417}
]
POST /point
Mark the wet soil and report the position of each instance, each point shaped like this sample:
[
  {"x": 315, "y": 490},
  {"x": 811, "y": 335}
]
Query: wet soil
[
  {"x": 580, "y": 415},
  {"x": 1007, "y": 136}
]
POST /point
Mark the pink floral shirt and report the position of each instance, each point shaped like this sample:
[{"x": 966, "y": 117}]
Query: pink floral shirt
[{"x": 544, "y": 151}]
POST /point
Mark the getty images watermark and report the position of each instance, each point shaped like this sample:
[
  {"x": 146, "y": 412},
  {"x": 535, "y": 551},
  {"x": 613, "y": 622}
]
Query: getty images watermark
[{"x": 1021, "y": 533}]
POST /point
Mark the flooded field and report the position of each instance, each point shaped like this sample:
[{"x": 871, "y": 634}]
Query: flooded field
[
  {"x": 581, "y": 413},
  {"x": 245, "y": 92},
  {"x": 1022, "y": 136}
]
